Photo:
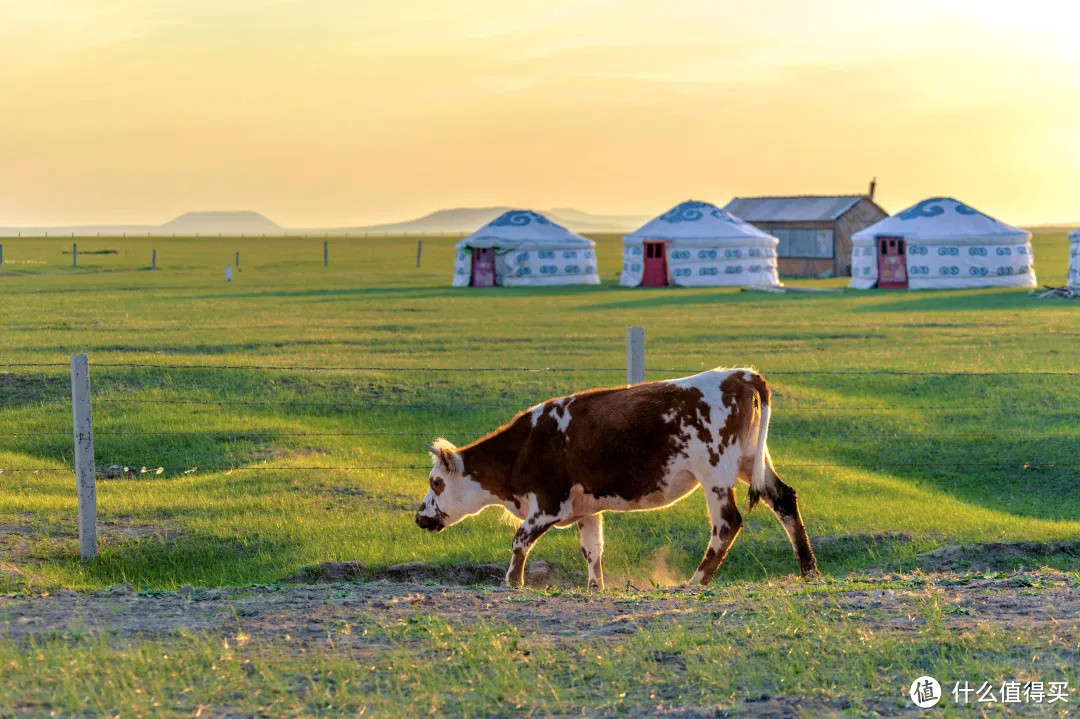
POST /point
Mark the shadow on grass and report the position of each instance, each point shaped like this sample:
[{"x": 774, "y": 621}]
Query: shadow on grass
[
  {"x": 442, "y": 291},
  {"x": 948, "y": 301},
  {"x": 24, "y": 388},
  {"x": 206, "y": 349},
  {"x": 190, "y": 557},
  {"x": 1005, "y": 443},
  {"x": 628, "y": 298}
]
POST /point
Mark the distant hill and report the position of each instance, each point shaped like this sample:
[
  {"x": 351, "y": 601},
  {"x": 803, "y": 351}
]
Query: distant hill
[
  {"x": 467, "y": 219},
  {"x": 224, "y": 222},
  {"x": 457, "y": 220},
  {"x": 189, "y": 223},
  {"x": 585, "y": 222},
  {"x": 1054, "y": 227}
]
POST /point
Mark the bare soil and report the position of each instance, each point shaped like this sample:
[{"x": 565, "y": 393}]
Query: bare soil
[
  {"x": 318, "y": 601},
  {"x": 1024, "y": 601}
]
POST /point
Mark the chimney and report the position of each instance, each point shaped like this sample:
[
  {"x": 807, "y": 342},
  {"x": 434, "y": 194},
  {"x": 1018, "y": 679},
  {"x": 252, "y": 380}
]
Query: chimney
[{"x": 873, "y": 186}]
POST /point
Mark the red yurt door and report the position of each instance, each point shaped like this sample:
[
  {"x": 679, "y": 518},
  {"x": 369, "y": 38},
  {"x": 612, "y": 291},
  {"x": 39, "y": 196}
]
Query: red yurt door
[
  {"x": 655, "y": 271},
  {"x": 483, "y": 267},
  {"x": 892, "y": 263}
]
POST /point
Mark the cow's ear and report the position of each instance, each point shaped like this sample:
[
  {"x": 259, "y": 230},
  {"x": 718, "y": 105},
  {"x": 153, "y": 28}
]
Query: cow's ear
[{"x": 445, "y": 454}]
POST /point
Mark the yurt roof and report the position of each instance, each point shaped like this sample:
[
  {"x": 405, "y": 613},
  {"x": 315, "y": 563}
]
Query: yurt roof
[
  {"x": 943, "y": 219},
  {"x": 700, "y": 223},
  {"x": 517, "y": 229},
  {"x": 802, "y": 208}
]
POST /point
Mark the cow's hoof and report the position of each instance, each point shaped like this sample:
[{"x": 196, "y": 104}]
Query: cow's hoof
[{"x": 698, "y": 580}]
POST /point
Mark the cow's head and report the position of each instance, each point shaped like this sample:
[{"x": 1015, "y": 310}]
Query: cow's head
[{"x": 452, "y": 495}]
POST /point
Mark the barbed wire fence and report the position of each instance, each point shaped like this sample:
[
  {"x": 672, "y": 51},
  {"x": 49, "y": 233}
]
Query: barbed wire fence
[{"x": 84, "y": 466}]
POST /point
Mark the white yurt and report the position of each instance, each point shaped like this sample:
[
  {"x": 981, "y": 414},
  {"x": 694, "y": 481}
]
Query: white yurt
[
  {"x": 522, "y": 248},
  {"x": 1074, "y": 260},
  {"x": 941, "y": 243},
  {"x": 696, "y": 244}
]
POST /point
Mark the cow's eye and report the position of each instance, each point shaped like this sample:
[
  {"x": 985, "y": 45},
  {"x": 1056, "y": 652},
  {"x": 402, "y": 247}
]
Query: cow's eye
[{"x": 436, "y": 484}]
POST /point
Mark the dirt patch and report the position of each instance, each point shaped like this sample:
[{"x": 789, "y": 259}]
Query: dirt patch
[
  {"x": 945, "y": 325},
  {"x": 115, "y": 471},
  {"x": 844, "y": 543},
  {"x": 265, "y": 454},
  {"x": 538, "y": 573},
  {"x": 392, "y": 501},
  {"x": 10, "y": 569},
  {"x": 765, "y": 706},
  {"x": 133, "y": 528},
  {"x": 1028, "y": 602},
  {"x": 327, "y": 573},
  {"x": 28, "y": 544},
  {"x": 16, "y": 529},
  {"x": 22, "y": 389},
  {"x": 353, "y": 616},
  {"x": 996, "y": 555}
]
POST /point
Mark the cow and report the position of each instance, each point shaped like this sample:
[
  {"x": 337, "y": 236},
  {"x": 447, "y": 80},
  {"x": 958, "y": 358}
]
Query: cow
[{"x": 622, "y": 449}]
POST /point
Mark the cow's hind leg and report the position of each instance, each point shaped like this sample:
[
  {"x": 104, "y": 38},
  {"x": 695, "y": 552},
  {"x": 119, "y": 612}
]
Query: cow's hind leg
[
  {"x": 726, "y": 523},
  {"x": 782, "y": 500},
  {"x": 524, "y": 539},
  {"x": 591, "y": 530}
]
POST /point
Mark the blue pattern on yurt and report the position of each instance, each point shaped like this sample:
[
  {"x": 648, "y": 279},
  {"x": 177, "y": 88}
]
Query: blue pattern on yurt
[
  {"x": 933, "y": 208},
  {"x": 519, "y": 218},
  {"x": 692, "y": 211}
]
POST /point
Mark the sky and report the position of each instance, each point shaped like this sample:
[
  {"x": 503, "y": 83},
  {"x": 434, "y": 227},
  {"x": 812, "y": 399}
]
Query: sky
[{"x": 346, "y": 112}]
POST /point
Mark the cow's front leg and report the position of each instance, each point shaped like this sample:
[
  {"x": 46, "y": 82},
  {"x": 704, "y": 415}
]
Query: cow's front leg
[
  {"x": 524, "y": 539},
  {"x": 591, "y": 530},
  {"x": 726, "y": 523}
]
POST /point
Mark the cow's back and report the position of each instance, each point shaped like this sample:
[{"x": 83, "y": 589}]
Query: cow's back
[{"x": 623, "y": 443}]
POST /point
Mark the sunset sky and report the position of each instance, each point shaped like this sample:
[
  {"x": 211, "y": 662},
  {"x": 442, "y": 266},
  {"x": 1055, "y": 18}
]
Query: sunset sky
[{"x": 336, "y": 112}]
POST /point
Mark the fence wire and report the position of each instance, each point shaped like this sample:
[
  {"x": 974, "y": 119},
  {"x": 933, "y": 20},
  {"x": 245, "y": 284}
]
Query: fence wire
[
  {"x": 694, "y": 370},
  {"x": 227, "y": 435},
  {"x": 781, "y": 404},
  {"x": 870, "y": 465}
]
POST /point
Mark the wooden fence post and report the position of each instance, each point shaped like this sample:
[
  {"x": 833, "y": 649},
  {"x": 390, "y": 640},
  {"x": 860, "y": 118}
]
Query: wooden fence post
[
  {"x": 1, "y": 254},
  {"x": 74, "y": 254},
  {"x": 419, "y": 249},
  {"x": 84, "y": 456},
  {"x": 237, "y": 260},
  {"x": 325, "y": 254},
  {"x": 635, "y": 355},
  {"x": 153, "y": 259}
]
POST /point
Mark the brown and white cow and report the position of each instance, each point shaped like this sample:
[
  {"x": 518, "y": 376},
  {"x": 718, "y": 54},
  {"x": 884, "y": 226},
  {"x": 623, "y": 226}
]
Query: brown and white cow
[{"x": 632, "y": 448}]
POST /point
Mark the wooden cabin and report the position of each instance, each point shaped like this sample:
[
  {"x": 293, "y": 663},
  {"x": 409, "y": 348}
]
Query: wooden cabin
[{"x": 814, "y": 230}]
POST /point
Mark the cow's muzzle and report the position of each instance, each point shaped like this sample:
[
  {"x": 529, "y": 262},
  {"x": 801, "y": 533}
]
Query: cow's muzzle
[{"x": 432, "y": 524}]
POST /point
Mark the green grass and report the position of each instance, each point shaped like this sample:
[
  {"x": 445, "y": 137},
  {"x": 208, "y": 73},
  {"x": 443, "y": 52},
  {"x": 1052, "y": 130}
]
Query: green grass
[
  {"x": 806, "y": 649},
  {"x": 887, "y": 466},
  {"x": 891, "y": 483}
]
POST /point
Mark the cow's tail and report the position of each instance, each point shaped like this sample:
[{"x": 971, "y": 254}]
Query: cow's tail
[{"x": 760, "y": 418}]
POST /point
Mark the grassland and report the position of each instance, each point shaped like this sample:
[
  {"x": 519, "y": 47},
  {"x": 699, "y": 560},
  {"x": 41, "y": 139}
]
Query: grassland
[{"x": 888, "y": 466}]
